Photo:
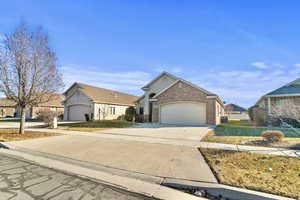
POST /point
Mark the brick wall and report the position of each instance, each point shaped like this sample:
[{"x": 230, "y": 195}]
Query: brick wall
[{"x": 184, "y": 92}]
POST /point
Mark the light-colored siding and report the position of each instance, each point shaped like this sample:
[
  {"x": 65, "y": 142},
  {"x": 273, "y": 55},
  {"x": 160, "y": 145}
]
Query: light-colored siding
[{"x": 103, "y": 111}]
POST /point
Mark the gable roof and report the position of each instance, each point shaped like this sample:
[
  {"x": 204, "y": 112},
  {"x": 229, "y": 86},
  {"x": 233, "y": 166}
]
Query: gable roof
[
  {"x": 234, "y": 108},
  {"x": 7, "y": 102},
  {"x": 177, "y": 79},
  {"x": 288, "y": 89},
  {"x": 55, "y": 101},
  {"x": 102, "y": 95}
]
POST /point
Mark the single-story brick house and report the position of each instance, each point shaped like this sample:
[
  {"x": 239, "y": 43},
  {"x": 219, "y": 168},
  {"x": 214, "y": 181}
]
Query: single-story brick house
[
  {"x": 53, "y": 105},
  {"x": 97, "y": 103},
  {"x": 7, "y": 107},
  {"x": 233, "y": 111},
  {"x": 172, "y": 100},
  {"x": 287, "y": 93}
]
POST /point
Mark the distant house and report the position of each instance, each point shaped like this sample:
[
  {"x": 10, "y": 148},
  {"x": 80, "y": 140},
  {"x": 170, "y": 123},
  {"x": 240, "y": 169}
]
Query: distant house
[
  {"x": 234, "y": 111},
  {"x": 7, "y": 107},
  {"x": 96, "y": 103},
  {"x": 171, "y": 100},
  {"x": 289, "y": 92},
  {"x": 55, "y": 104}
]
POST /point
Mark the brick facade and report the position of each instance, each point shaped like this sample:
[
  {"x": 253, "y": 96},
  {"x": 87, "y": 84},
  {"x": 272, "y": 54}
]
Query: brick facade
[{"x": 182, "y": 91}]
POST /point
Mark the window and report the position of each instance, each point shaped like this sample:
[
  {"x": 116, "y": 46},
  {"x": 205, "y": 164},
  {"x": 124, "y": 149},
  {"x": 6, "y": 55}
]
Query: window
[
  {"x": 141, "y": 110},
  {"x": 112, "y": 110},
  {"x": 53, "y": 109}
]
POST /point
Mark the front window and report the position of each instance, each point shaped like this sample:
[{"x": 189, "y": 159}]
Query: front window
[{"x": 112, "y": 110}]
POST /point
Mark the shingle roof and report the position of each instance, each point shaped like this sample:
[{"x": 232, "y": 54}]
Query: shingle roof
[
  {"x": 55, "y": 101},
  {"x": 102, "y": 95},
  {"x": 234, "y": 108},
  {"x": 288, "y": 89},
  {"x": 7, "y": 102}
]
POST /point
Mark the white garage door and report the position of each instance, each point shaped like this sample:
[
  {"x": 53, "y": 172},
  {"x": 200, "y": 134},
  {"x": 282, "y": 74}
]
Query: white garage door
[
  {"x": 183, "y": 113},
  {"x": 77, "y": 112}
]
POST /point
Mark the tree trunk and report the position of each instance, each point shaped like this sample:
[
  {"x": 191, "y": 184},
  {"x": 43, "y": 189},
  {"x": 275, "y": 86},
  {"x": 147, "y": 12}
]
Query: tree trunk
[{"x": 22, "y": 121}]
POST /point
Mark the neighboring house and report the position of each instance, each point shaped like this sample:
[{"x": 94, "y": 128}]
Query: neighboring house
[
  {"x": 55, "y": 104},
  {"x": 97, "y": 103},
  {"x": 7, "y": 107},
  {"x": 172, "y": 100},
  {"x": 234, "y": 111},
  {"x": 287, "y": 93}
]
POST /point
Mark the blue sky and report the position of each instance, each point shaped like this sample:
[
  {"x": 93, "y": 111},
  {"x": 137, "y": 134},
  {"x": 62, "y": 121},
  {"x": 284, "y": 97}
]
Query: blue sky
[{"x": 237, "y": 49}]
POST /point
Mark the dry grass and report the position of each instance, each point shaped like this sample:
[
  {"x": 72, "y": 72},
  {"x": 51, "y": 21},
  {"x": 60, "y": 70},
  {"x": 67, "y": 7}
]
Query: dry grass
[
  {"x": 7, "y": 135},
  {"x": 252, "y": 171},
  {"x": 211, "y": 137},
  {"x": 84, "y": 129},
  {"x": 237, "y": 123}
]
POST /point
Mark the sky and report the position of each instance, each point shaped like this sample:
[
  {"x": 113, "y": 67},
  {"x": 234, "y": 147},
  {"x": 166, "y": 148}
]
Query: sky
[{"x": 237, "y": 49}]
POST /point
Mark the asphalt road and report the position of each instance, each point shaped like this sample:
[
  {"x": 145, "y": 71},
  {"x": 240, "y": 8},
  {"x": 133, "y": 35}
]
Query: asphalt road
[{"x": 23, "y": 180}]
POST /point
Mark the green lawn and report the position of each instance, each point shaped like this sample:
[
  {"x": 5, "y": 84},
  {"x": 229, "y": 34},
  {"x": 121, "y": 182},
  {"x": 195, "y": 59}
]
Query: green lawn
[
  {"x": 97, "y": 125},
  {"x": 252, "y": 171},
  {"x": 237, "y": 123}
]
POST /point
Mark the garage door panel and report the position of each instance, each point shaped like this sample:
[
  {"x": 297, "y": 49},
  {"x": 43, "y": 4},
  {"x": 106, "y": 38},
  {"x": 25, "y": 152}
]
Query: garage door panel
[
  {"x": 183, "y": 113},
  {"x": 77, "y": 112}
]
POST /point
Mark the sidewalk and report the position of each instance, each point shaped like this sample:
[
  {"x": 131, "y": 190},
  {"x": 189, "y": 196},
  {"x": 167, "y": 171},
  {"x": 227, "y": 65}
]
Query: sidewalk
[{"x": 195, "y": 144}]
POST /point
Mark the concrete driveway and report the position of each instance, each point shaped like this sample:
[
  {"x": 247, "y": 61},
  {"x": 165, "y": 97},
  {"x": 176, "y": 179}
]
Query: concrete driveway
[
  {"x": 160, "y": 160},
  {"x": 148, "y": 130}
]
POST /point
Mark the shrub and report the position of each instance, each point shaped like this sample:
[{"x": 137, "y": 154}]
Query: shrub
[
  {"x": 251, "y": 112},
  {"x": 272, "y": 135},
  {"x": 259, "y": 116},
  {"x": 130, "y": 114},
  {"x": 47, "y": 116}
]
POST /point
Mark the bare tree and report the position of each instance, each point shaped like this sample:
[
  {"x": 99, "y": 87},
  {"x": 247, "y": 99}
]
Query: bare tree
[{"x": 28, "y": 70}]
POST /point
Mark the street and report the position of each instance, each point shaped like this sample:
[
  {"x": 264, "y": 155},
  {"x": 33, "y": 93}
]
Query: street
[{"x": 22, "y": 180}]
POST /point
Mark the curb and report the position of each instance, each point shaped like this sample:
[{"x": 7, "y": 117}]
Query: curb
[{"x": 130, "y": 184}]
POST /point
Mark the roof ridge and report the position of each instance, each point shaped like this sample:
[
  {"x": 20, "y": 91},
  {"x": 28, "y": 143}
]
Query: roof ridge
[{"x": 105, "y": 89}]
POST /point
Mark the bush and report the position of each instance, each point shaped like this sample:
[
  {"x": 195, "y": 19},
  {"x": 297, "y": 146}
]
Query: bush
[
  {"x": 259, "y": 116},
  {"x": 47, "y": 116},
  {"x": 130, "y": 114},
  {"x": 272, "y": 135},
  {"x": 251, "y": 112}
]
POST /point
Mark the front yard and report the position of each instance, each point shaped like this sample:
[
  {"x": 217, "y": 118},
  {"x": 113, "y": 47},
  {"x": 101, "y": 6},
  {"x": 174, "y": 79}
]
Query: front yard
[
  {"x": 267, "y": 173},
  {"x": 292, "y": 143},
  {"x": 7, "y": 135},
  {"x": 96, "y": 125}
]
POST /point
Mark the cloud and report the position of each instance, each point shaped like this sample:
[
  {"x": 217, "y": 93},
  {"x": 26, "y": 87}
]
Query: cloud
[
  {"x": 129, "y": 81},
  {"x": 244, "y": 87},
  {"x": 260, "y": 65}
]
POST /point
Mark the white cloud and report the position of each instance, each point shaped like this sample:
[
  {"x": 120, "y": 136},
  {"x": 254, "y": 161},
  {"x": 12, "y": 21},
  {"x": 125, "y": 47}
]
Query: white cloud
[
  {"x": 244, "y": 87},
  {"x": 260, "y": 65}
]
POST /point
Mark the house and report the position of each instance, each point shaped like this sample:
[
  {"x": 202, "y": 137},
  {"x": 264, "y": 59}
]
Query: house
[
  {"x": 96, "y": 103},
  {"x": 287, "y": 93},
  {"x": 53, "y": 105},
  {"x": 172, "y": 100},
  {"x": 234, "y": 111},
  {"x": 7, "y": 107}
]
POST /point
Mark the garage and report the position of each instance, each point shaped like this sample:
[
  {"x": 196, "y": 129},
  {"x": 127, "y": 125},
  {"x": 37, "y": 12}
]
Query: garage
[
  {"x": 185, "y": 113},
  {"x": 77, "y": 112}
]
